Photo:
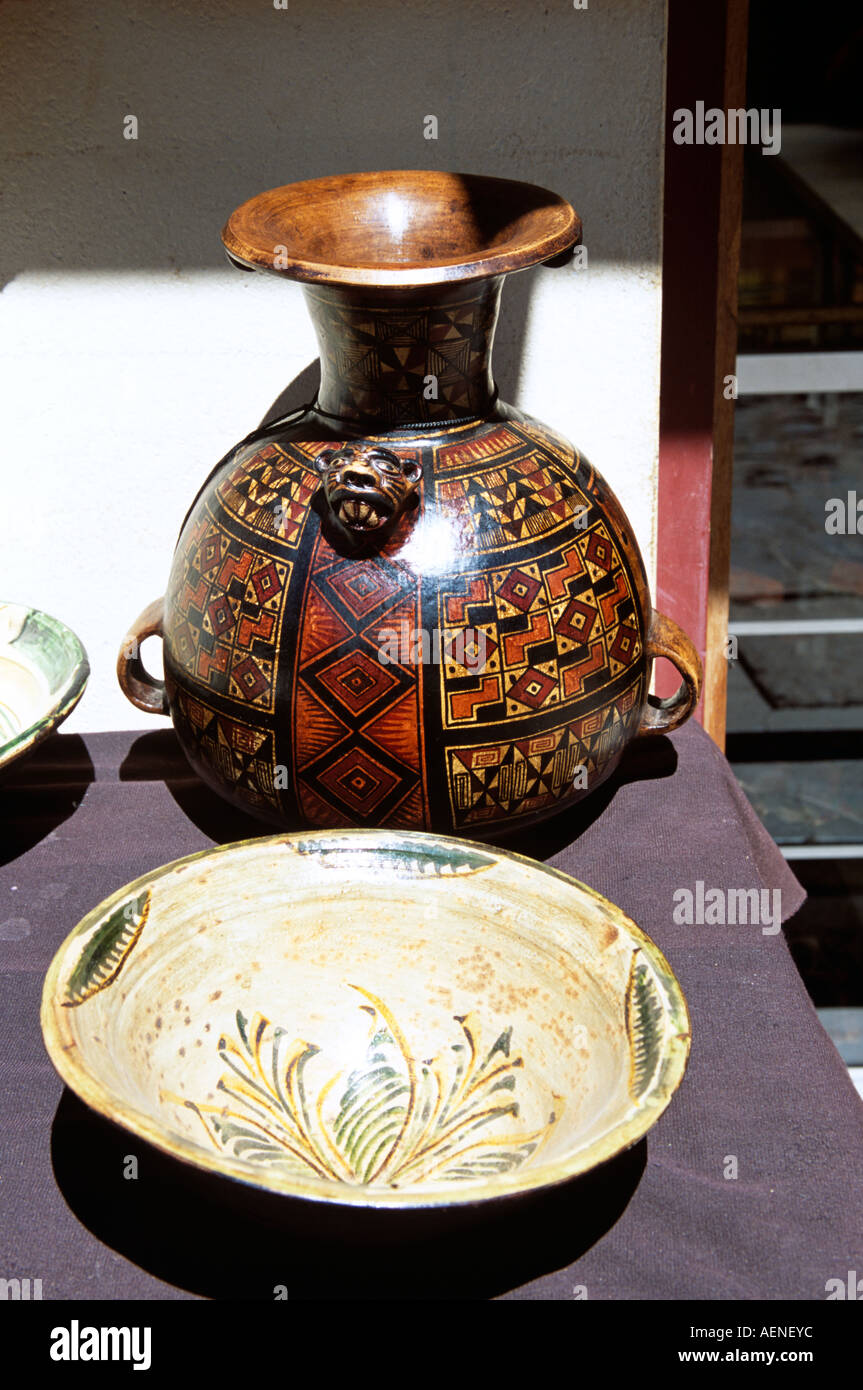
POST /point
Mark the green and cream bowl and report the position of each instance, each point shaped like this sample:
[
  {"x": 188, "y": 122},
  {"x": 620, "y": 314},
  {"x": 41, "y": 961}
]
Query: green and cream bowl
[
  {"x": 43, "y": 673},
  {"x": 368, "y": 1017}
]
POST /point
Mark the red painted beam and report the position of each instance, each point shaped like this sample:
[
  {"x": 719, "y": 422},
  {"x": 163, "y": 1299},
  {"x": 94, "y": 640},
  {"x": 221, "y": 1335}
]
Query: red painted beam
[{"x": 690, "y": 270}]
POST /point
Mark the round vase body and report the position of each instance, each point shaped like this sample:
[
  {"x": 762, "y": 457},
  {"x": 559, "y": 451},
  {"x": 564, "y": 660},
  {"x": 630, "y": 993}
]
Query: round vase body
[{"x": 468, "y": 650}]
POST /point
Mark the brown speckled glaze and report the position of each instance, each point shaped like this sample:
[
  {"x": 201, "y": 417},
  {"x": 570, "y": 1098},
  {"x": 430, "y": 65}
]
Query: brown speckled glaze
[{"x": 409, "y": 605}]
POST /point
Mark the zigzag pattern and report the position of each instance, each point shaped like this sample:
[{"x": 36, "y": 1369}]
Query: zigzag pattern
[
  {"x": 555, "y": 631},
  {"x": 271, "y": 493}
]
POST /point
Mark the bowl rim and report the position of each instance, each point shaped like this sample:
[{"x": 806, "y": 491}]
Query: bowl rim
[
  {"x": 63, "y": 1052},
  {"x": 70, "y": 691},
  {"x": 247, "y": 249}
]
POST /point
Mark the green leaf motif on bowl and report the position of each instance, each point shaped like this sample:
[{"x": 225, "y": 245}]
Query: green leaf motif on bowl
[
  {"x": 645, "y": 1027},
  {"x": 396, "y": 1120},
  {"x": 108, "y": 949},
  {"x": 444, "y": 860}
]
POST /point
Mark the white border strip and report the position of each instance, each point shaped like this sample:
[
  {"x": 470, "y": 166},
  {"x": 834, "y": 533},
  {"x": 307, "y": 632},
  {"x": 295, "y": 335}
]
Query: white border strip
[
  {"x": 822, "y": 851},
  {"x": 794, "y": 627},
  {"x": 796, "y": 373}
]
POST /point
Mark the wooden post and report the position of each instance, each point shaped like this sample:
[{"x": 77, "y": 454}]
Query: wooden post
[{"x": 701, "y": 254}]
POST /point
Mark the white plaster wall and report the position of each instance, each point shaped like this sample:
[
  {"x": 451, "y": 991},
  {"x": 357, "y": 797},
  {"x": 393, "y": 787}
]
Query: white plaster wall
[{"x": 133, "y": 357}]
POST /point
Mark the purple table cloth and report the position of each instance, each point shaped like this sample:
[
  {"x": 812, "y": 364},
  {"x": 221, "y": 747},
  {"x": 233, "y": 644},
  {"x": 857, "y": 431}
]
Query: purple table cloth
[{"x": 750, "y": 1186}]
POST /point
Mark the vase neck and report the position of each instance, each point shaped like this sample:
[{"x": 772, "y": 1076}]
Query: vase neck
[{"x": 395, "y": 357}]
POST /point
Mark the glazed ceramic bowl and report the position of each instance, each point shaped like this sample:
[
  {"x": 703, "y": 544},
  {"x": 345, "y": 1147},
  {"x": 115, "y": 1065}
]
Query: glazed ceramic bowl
[
  {"x": 43, "y": 673},
  {"x": 367, "y": 1017}
]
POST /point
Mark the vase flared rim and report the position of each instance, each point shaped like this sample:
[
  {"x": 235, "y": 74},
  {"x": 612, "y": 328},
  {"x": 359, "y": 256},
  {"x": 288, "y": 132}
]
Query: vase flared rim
[{"x": 402, "y": 229}]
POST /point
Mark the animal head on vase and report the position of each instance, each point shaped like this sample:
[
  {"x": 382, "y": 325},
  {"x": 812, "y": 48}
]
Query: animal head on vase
[{"x": 366, "y": 488}]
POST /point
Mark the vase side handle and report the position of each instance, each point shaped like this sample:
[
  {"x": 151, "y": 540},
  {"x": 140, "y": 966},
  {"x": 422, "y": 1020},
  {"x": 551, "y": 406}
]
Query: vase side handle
[
  {"x": 136, "y": 683},
  {"x": 665, "y": 638}
]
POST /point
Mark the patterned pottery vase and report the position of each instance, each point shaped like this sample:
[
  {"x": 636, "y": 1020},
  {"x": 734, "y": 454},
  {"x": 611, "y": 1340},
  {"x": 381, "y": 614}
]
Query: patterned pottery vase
[{"x": 409, "y": 604}]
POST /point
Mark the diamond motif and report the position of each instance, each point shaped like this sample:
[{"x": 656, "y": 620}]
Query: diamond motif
[
  {"x": 360, "y": 780},
  {"x": 532, "y": 688},
  {"x": 519, "y": 589},
  {"x": 220, "y": 614},
  {"x": 211, "y": 553},
  {"x": 249, "y": 679},
  {"x": 363, "y": 588},
  {"x": 623, "y": 647},
  {"x": 357, "y": 681},
  {"x": 576, "y": 621},
  {"x": 600, "y": 551},
  {"x": 266, "y": 583}
]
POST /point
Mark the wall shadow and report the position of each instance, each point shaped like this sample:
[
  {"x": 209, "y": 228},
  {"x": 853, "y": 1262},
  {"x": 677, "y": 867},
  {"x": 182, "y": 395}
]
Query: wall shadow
[
  {"x": 259, "y": 97},
  {"x": 299, "y": 392},
  {"x": 220, "y": 1239}
]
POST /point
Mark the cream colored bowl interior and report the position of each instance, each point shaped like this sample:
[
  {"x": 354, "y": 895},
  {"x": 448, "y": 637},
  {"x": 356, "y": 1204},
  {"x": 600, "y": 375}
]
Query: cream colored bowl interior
[
  {"x": 361, "y": 1016},
  {"x": 43, "y": 672}
]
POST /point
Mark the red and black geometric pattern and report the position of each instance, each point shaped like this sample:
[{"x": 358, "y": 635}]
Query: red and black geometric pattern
[
  {"x": 556, "y": 630},
  {"x": 526, "y": 776},
  {"x": 357, "y": 706},
  {"x": 241, "y": 753},
  {"x": 523, "y": 495},
  {"x": 289, "y": 653},
  {"x": 269, "y": 493},
  {"x": 223, "y": 626}
]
